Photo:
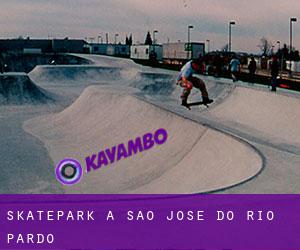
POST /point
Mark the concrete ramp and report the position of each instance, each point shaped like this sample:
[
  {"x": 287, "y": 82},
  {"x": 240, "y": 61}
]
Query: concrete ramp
[
  {"x": 154, "y": 83},
  {"x": 75, "y": 74},
  {"x": 271, "y": 115},
  {"x": 194, "y": 159},
  {"x": 109, "y": 61},
  {"x": 17, "y": 88}
]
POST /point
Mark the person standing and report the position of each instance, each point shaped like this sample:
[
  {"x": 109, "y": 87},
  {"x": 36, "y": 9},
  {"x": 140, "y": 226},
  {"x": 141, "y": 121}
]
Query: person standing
[
  {"x": 235, "y": 68},
  {"x": 274, "y": 73},
  {"x": 252, "y": 69},
  {"x": 218, "y": 65}
]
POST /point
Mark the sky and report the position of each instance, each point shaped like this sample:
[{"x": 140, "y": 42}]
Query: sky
[{"x": 92, "y": 18}]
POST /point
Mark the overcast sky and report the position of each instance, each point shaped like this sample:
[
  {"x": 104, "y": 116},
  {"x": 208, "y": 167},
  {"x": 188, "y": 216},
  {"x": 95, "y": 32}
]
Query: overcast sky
[{"x": 90, "y": 18}]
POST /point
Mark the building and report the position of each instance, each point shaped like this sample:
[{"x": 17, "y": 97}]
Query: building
[
  {"x": 42, "y": 45},
  {"x": 120, "y": 50},
  {"x": 146, "y": 52},
  {"x": 178, "y": 52},
  {"x": 295, "y": 66},
  {"x": 68, "y": 45}
]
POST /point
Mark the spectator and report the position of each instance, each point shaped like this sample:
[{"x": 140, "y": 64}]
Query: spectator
[
  {"x": 218, "y": 65},
  {"x": 235, "y": 68},
  {"x": 252, "y": 69},
  {"x": 153, "y": 57},
  {"x": 274, "y": 73}
]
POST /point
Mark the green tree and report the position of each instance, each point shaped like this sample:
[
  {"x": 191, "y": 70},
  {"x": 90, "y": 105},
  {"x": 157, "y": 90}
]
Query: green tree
[
  {"x": 130, "y": 40},
  {"x": 148, "y": 40}
]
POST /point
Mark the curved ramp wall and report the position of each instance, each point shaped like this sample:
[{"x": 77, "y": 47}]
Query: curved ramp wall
[
  {"x": 194, "y": 159},
  {"x": 17, "y": 88},
  {"x": 271, "y": 115}
]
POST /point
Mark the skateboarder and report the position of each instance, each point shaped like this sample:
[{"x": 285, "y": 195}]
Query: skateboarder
[{"x": 187, "y": 81}]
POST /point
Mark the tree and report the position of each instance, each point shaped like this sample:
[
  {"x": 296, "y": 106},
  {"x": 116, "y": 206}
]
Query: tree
[
  {"x": 295, "y": 55},
  {"x": 265, "y": 46},
  {"x": 130, "y": 40},
  {"x": 148, "y": 40}
]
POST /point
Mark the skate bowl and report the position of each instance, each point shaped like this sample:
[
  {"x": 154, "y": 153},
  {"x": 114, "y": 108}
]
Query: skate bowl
[
  {"x": 108, "y": 61},
  {"x": 271, "y": 115},
  {"x": 149, "y": 83},
  {"x": 149, "y": 80},
  {"x": 194, "y": 159},
  {"x": 17, "y": 88},
  {"x": 154, "y": 83},
  {"x": 74, "y": 74}
]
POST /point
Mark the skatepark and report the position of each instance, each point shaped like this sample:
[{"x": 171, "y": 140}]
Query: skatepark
[{"x": 248, "y": 141}]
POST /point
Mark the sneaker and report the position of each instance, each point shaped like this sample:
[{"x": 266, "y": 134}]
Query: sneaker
[
  {"x": 206, "y": 100},
  {"x": 184, "y": 103}
]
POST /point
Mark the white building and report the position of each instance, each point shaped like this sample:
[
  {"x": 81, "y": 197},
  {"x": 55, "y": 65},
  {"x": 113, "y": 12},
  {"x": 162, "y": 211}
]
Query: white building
[
  {"x": 122, "y": 50},
  {"x": 32, "y": 51},
  {"x": 295, "y": 66},
  {"x": 182, "y": 51},
  {"x": 146, "y": 52}
]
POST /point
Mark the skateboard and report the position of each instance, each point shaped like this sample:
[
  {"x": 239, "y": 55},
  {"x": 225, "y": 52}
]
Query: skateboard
[{"x": 189, "y": 105}]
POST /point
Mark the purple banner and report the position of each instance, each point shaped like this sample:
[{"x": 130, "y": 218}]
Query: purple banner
[{"x": 150, "y": 222}]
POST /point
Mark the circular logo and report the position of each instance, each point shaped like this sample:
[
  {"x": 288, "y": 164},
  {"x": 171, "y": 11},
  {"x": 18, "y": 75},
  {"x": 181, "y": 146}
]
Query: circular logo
[{"x": 68, "y": 172}]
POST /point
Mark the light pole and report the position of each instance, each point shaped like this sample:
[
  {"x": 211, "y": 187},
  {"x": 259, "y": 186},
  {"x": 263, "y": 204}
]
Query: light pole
[
  {"x": 292, "y": 19},
  {"x": 106, "y": 35},
  {"x": 154, "y": 32},
  {"x": 189, "y": 40},
  {"x": 229, "y": 44},
  {"x": 100, "y": 37},
  {"x": 154, "y": 41},
  {"x": 281, "y": 57},
  {"x": 116, "y": 35},
  {"x": 208, "y": 45}
]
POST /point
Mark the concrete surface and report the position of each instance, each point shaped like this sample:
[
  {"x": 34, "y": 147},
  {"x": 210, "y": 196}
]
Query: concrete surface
[{"x": 246, "y": 142}]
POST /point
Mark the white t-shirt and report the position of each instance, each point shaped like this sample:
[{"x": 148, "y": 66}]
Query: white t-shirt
[{"x": 187, "y": 71}]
